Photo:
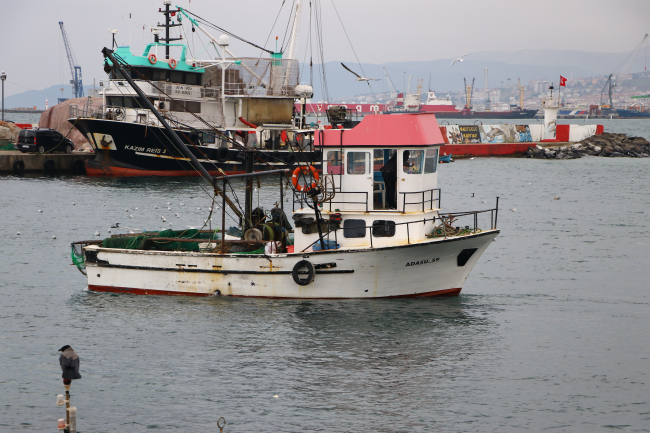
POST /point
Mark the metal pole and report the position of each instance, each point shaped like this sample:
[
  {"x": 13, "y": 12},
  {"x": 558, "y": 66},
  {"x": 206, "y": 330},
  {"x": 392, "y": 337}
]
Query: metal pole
[
  {"x": 496, "y": 216},
  {"x": 167, "y": 31},
  {"x": 181, "y": 146},
  {"x": 3, "y": 76},
  {"x": 67, "y": 404},
  {"x": 223, "y": 219}
]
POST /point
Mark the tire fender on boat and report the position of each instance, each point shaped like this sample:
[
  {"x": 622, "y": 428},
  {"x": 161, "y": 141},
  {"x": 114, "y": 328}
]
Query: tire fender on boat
[
  {"x": 222, "y": 154},
  {"x": 310, "y": 273}
]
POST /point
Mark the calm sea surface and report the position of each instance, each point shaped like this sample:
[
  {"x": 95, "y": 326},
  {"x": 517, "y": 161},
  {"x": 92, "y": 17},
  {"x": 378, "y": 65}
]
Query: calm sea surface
[{"x": 549, "y": 333}]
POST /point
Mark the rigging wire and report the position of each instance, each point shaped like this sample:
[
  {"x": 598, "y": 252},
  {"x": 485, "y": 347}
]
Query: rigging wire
[
  {"x": 273, "y": 26},
  {"x": 353, "y": 50},
  {"x": 289, "y": 26}
]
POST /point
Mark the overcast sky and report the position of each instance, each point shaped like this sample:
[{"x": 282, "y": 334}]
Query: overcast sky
[{"x": 33, "y": 57}]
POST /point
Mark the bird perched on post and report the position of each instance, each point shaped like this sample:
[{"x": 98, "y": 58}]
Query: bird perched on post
[{"x": 69, "y": 361}]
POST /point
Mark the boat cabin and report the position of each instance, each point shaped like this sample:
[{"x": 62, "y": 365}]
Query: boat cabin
[{"x": 383, "y": 174}]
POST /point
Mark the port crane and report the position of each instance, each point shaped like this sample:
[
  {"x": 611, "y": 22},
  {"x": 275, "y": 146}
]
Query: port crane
[
  {"x": 393, "y": 90},
  {"x": 609, "y": 85},
  {"x": 75, "y": 70},
  {"x": 468, "y": 93}
]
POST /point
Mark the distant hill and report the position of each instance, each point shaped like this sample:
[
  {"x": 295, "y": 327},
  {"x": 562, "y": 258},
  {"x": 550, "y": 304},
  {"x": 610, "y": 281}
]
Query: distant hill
[
  {"x": 37, "y": 98},
  {"x": 524, "y": 64}
]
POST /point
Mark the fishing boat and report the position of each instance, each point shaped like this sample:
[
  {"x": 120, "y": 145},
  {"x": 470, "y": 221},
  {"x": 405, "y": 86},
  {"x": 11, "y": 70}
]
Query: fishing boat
[
  {"x": 355, "y": 234},
  {"x": 216, "y": 105}
]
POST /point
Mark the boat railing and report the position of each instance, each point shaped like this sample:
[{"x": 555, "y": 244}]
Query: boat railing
[
  {"x": 85, "y": 111},
  {"x": 427, "y": 196},
  {"x": 444, "y": 229},
  {"x": 424, "y": 199}
]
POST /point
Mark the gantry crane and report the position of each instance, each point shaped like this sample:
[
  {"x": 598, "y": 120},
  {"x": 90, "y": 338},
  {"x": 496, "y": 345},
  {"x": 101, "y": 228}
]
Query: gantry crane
[{"x": 75, "y": 70}]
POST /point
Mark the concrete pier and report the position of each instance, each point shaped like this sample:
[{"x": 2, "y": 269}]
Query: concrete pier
[{"x": 14, "y": 161}]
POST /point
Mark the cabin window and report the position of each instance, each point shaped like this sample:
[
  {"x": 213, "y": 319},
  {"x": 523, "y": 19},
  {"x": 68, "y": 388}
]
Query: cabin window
[
  {"x": 383, "y": 228},
  {"x": 431, "y": 161},
  {"x": 358, "y": 162},
  {"x": 413, "y": 161},
  {"x": 335, "y": 161},
  {"x": 208, "y": 138},
  {"x": 194, "y": 79},
  {"x": 190, "y": 106},
  {"x": 354, "y": 229},
  {"x": 159, "y": 75},
  {"x": 176, "y": 77},
  {"x": 126, "y": 102}
]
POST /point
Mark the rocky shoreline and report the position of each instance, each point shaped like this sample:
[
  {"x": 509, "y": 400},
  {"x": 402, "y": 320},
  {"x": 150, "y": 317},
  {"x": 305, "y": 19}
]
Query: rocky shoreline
[{"x": 609, "y": 145}]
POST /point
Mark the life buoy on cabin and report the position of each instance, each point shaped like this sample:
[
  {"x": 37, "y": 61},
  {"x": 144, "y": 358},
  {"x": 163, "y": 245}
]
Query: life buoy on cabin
[
  {"x": 296, "y": 273},
  {"x": 152, "y": 59},
  {"x": 305, "y": 170},
  {"x": 173, "y": 63}
]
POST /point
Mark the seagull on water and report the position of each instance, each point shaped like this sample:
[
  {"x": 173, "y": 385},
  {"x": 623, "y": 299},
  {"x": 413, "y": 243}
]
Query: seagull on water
[
  {"x": 18, "y": 233},
  {"x": 359, "y": 77},
  {"x": 97, "y": 233},
  {"x": 40, "y": 211},
  {"x": 72, "y": 203},
  {"x": 116, "y": 226},
  {"x": 54, "y": 237},
  {"x": 460, "y": 59},
  {"x": 126, "y": 210},
  {"x": 556, "y": 198},
  {"x": 182, "y": 204},
  {"x": 130, "y": 216},
  {"x": 483, "y": 201},
  {"x": 513, "y": 210},
  {"x": 168, "y": 203}
]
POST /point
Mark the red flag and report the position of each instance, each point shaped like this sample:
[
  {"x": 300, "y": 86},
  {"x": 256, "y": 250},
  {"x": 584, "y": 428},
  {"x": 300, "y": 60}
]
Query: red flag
[{"x": 562, "y": 81}]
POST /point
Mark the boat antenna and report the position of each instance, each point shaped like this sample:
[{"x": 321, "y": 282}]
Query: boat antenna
[{"x": 170, "y": 131}]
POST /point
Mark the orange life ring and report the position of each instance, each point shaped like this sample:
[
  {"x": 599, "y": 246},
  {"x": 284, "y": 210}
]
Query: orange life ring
[
  {"x": 152, "y": 58},
  {"x": 172, "y": 63},
  {"x": 306, "y": 170}
]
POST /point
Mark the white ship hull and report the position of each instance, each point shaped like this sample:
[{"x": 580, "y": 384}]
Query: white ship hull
[{"x": 429, "y": 268}]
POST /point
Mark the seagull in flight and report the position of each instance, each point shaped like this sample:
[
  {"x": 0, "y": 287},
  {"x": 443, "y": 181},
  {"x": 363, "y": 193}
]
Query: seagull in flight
[
  {"x": 460, "y": 59},
  {"x": 359, "y": 77}
]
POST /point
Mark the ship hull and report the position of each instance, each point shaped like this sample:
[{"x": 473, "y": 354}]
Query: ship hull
[
  {"x": 633, "y": 114},
  {"x": 519, "y": 114},
  {"x": 133, "y": 149},
  {"x": 431, "y": 268}
]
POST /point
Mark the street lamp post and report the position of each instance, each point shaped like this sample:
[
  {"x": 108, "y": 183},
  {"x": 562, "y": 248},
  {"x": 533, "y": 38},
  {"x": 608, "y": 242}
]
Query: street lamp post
[{"x": 3, "y": 77}]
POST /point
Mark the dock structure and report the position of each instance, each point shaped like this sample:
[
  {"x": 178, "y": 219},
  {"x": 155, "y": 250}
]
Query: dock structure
[{"x": 14, "y": 161}]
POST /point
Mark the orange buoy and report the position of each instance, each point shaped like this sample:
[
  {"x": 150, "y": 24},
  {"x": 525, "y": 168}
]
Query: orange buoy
[
  {"x": 305, "y": 170},
  {"x": 152, "y": 58},
  {"x": 173, "y": 63}
]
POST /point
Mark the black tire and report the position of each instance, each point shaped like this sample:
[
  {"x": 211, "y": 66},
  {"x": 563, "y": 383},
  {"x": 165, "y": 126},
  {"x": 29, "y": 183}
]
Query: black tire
[
  {"x": 317, "y": 156},
  {"x": 295, "y": 273},
  {"x": 78, "y": 167},
  {"x": 49, "y": 165},
  {"x": 40, "y": 149},
  {"x": 194, "y": 139},
  {"x": 18, "y": 166},
  {"x": 68, "y": 148},
  {"x": 222, "y": 154}
]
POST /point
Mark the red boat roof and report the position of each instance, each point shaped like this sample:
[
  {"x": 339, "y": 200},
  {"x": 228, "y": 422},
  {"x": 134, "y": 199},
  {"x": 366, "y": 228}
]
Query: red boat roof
[{"x": 386, "y": 130}]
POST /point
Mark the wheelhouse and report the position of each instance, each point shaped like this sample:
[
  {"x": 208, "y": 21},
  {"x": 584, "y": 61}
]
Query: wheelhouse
[{"x": 383, "y": 175}]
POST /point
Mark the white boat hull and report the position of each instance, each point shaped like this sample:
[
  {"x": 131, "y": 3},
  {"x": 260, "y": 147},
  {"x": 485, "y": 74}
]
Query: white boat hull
[{"x": 424, "y": 269}]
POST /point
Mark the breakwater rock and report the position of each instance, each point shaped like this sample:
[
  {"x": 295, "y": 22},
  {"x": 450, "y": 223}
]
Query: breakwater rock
[{"x": 609, "y": 145}]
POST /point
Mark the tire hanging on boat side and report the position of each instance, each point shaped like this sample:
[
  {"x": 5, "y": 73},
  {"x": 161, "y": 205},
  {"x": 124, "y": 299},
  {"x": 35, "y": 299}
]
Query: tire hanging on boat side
[
  {"x": 222, "y": 154},
  {"x": 295, "y": 273}
]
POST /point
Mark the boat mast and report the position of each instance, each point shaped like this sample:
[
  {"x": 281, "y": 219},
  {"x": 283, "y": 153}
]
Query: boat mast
[
  {"x": 295, "y": 31},
  {"x": 172, "y": 134},
  {"x": 167, "y": 25},
  {"x": 521, "y": 94}
]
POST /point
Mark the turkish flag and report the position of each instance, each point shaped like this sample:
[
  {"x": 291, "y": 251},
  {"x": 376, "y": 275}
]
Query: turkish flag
[{"x": 562, "y": 81}]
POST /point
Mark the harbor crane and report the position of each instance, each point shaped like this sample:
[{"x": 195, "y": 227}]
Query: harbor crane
[
  {"x": 629, "y": 60},
  {"x": 75, "y": 70},
  {"x": 393, "y": 90}
]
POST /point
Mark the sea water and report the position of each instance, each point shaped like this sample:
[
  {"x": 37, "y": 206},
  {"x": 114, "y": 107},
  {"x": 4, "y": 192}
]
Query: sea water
[{"x": 549, "y": 332}]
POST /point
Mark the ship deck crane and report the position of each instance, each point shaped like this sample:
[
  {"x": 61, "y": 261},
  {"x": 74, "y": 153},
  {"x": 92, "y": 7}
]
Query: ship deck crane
[{"x": 75, "y": 70}]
